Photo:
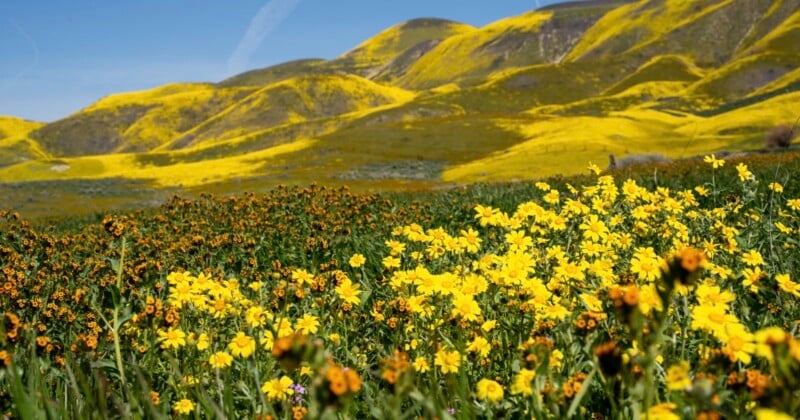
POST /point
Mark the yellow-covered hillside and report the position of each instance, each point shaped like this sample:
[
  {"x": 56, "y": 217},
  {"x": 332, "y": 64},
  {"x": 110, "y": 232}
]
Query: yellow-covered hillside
[{"x": 432, "y": 102}]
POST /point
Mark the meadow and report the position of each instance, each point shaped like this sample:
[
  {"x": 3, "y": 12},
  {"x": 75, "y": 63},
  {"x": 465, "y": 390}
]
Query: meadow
[{"x": 663, "y": 291}]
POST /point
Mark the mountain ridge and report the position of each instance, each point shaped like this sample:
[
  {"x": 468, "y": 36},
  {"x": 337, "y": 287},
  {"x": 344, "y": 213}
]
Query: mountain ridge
[{"x": 464, "y": 103}]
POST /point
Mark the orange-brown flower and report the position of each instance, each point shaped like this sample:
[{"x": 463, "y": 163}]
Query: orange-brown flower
[
  {"x": 5, "y": 358},
  {"x": 691, "y": 259}
]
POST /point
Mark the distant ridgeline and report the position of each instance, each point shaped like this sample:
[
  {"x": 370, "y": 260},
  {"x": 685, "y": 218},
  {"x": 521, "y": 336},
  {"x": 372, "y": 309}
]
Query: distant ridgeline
[{"x": 433, "y": 101}]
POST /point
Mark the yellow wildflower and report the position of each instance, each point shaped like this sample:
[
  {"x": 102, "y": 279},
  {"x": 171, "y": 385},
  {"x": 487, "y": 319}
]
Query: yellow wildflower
[
  {"x": 256, "y": 316},
  {"x": 302, "y": 277},
  {"x": 421, "y": 365},
  {"x": 489, "y": 390},
  {"x": 392, "y": 262},
  {"x": 715, "y": 163},
  {"x": 308, "y": 324},
  {"x": 594, "y": 229},
  {"x": 183, "y": 406},
  {"x": 739, "y": 343},
  {"x": 771, "y": 414},
  {"x": 480, "y": 345},
  {"x": 752, "y": 258},
  {"x": 172, "y": 338},
  {"x": 202, "y": 342},
  {"x": 488, "y": 325},
  {"x": 448, "y": 361},
  {"x": 349, "y": 292},
  {"x": 466, "y": 307},
  {"x": 744, "y": 173},
  {"x": 242, "y": 345},
  {"x": 395, "y": 247},
  {"x": 522, "y": 382},
  {"x": 663, "y": 411},
  {"x": 678, "y": 377},
  {"x": 278, "y": 389},
  {"x": 220, "y": 360},
  {"x": 357, "y": 260},
  {"x": 787, "y": 285}
]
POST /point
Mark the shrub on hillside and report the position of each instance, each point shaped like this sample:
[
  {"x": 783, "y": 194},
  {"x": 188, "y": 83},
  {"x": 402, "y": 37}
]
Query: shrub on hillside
[{"x": 781, "y": 137}]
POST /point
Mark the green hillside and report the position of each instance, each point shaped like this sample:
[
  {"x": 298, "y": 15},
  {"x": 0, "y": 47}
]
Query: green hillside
[
  {"x": 778, "y": 24},
  {"x": 662, "y": 68},
  {"x": 277, "y": 73},
  {"x": 740, "y": 78},
  {"x": 431, "y": 102}
]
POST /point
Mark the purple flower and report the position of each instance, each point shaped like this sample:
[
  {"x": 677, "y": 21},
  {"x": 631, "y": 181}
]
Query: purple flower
[
  {"x": 451, "y": 410},
  {"x": 298, "y": 388}
]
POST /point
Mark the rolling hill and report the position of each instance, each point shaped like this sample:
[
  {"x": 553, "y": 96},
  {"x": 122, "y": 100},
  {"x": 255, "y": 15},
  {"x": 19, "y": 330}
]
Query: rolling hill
[
  {"x": 386, "y": 53},
  {"x": 432, "y": 102},
  {"x": 136, "y": 122},
  {"x": 292, "y": 101},
  {"x": 15, "y": 142}
]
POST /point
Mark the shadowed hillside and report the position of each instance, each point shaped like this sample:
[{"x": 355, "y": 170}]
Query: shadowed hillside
[
  {"x": 136, "y": 122},
  {"x": 539, "y": 37},
  {"x": 293, "y": 101}
]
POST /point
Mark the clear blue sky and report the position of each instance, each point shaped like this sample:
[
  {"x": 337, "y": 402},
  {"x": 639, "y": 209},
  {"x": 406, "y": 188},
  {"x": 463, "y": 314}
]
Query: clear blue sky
[{"x": 58, "y": 56}]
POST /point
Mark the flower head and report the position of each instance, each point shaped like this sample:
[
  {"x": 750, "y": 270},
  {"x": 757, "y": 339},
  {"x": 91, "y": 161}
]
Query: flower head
[
  {"x": 421, "y": 365},
  {"x": 278, "y": 389},
  {"x": 308, "y": 324},
  {"x": 349, "y": 292},
  {"x": 220, "y": 360},
  {"x": 715, "y": 163},
  {"x": 357, "y": 260},
  {"x": 242, "y": 345},
  {"x": 448, "y": 361},
  {"x": 183, "y": 406},
  {"x": 678, "y": 377},
  {"x": 744, "y": 173},
  {"x": 489, "y": 390},
  {"x": 522, "y": 382},
  {"x": 172, "y": 338}
]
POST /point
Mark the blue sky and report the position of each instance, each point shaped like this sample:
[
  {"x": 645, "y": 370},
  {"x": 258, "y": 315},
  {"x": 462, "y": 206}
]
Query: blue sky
[{"x": 58, "y": 56}]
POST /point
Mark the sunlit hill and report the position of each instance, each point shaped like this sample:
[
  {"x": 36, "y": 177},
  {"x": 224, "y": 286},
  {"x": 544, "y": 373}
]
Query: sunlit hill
[{"x": 431, "y": 102}]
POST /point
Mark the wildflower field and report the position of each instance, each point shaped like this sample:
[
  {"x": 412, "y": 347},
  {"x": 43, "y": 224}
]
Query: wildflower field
[{"x": 662, "y": 292}]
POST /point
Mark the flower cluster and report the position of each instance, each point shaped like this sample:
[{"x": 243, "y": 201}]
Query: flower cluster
[{"x": 607, "y": 299}]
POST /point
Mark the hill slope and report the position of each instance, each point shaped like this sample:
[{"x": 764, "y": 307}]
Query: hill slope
[
  {"x": 136, "y": 122},
  {"x": 372, "y": 57},
  {"x": 292, "y": 101},
  {"x": 533, "y": 38},
  {"x": 15, "y": 142}
]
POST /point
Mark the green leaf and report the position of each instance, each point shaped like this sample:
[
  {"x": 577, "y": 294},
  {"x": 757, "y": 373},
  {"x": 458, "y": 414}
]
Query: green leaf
[
  {"x": 364, "y": 296},
  {"x": 126, "y": 316},
  {"x": 114, "y": 264},
  {"x": 116, "y": 296}
]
